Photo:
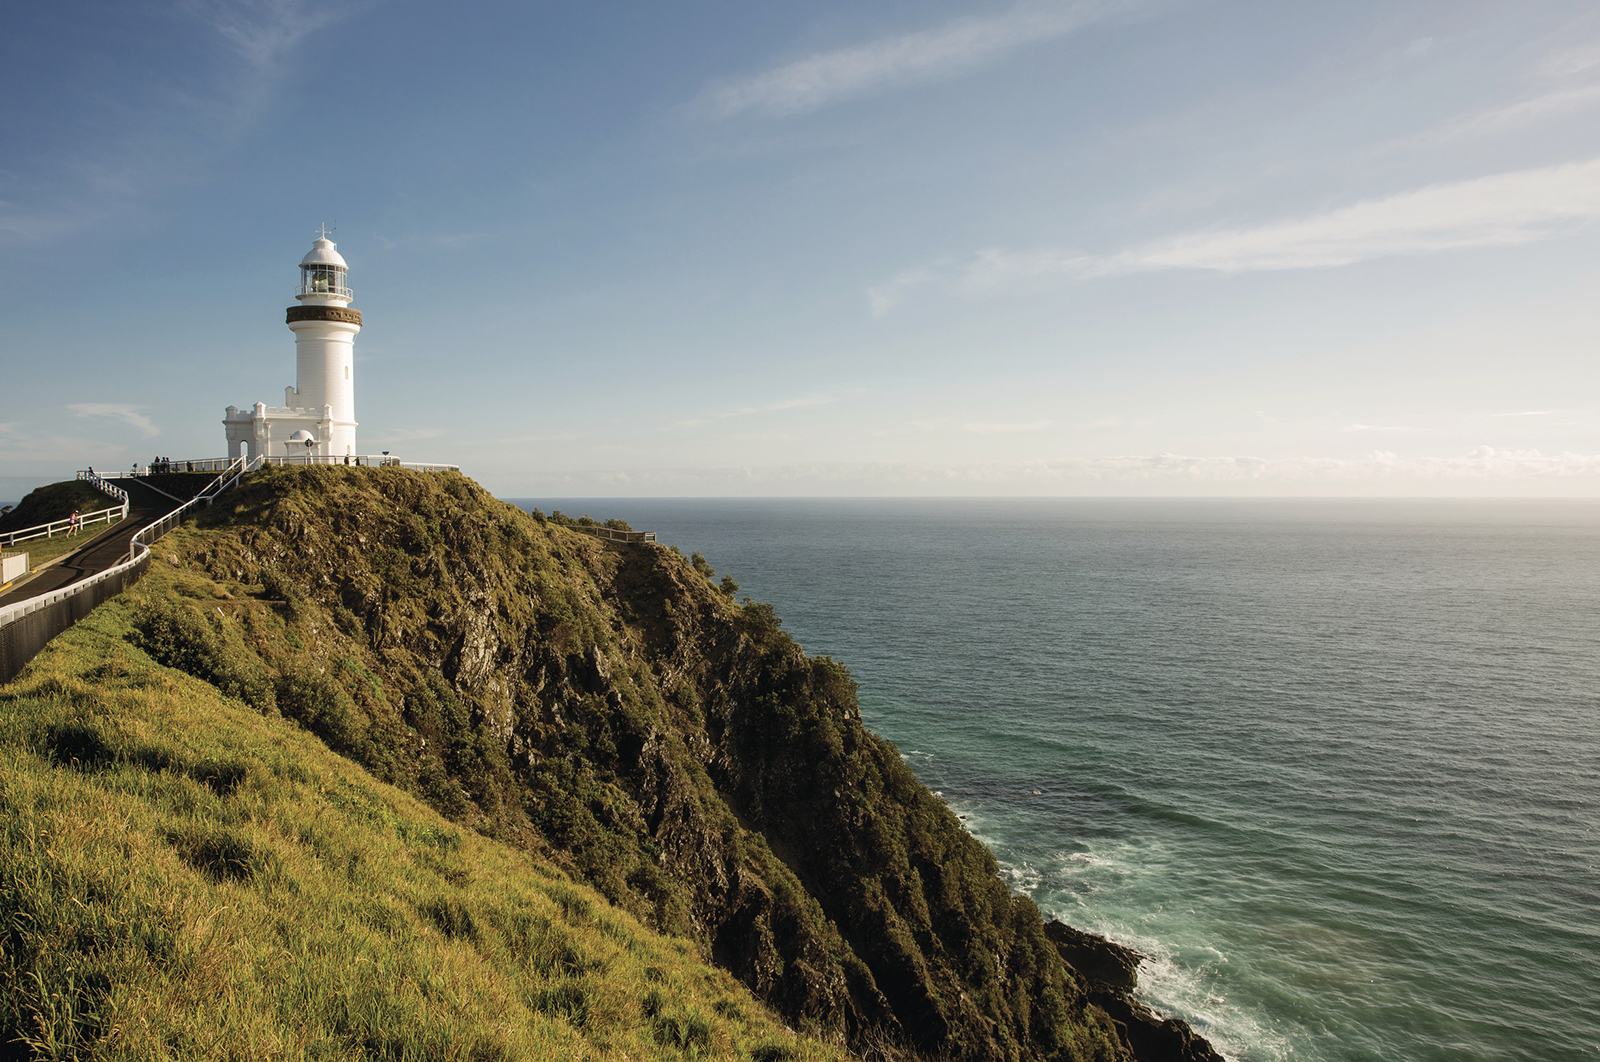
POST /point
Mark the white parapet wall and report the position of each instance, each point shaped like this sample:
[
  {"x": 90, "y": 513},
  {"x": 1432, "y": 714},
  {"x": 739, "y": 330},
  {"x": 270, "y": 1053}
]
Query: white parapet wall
[{"x": 12, "y": 566}]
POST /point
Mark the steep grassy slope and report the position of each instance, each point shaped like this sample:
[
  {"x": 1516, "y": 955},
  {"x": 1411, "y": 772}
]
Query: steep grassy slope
[
  {"x": 608, "y": 708},
  {"x": 182, "y": 877}
]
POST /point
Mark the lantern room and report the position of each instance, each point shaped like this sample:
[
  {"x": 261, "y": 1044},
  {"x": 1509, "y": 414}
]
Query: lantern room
[{"x": 323, "y": 275}]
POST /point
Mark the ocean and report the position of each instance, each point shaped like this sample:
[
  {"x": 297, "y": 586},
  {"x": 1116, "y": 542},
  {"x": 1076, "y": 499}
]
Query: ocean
[{"x": 1333, "y": 767}]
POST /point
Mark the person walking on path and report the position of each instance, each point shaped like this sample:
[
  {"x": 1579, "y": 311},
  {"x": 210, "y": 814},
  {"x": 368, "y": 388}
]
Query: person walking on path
[{"x": 72, "y": 524}]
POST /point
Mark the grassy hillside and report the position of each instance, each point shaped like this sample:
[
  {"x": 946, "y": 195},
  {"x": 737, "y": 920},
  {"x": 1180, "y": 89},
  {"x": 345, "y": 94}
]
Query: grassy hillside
[
  {"x": 612, "y": 711},
  {"x": 182, "y": 876},
  {"x": 55, "y": 501}
]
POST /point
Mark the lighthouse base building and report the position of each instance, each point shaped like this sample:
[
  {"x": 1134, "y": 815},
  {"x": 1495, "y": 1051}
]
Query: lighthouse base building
[{"x": 318, "y": 417}]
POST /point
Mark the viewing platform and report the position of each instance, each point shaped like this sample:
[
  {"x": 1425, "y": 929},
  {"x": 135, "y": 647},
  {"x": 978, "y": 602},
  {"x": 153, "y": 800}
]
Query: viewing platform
[
  {"x": 611, "y": 534},
  {"x": 215, "y": 465}
]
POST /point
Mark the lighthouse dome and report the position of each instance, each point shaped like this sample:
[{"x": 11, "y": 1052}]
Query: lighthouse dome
[{"x": 324, "y": 252}]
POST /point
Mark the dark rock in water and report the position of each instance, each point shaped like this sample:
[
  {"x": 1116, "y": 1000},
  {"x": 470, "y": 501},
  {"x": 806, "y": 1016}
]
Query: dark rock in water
[
  {"x": 1103, "y": 963},
  {"x": 1110, "y": 973},
  {"x": 1153, "y": 1040}
]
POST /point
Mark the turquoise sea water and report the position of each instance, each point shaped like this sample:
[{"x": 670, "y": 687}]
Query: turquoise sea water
[{"x": 1333, "y": 767}]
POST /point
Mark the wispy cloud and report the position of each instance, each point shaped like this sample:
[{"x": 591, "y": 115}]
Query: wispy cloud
[
  {"x": 1576, "y": 59},
  {"x": 886, "y": 297},
  {"x": 547, "y": 437},
  {"x": 1542, "y": 108},
  {"x": 797, "y": 402},
  {"x": 170, "y": 135},
  {"x": 828, "y": 77},
  {"x": 800, "y": 402},
  {"x": 1380, "y": 427},
  {"x": 999, "y": 429},
  {"x": 405, "y": 434},
  {"x": 129, "y": 415},
  {"x": 1566, "y": 86},
  {"x": 50, "y": 454},
  {"x": 1505, "y": 209},
  {"x": 264, "y": 32},
  {"x": 1481, "y": 463}
]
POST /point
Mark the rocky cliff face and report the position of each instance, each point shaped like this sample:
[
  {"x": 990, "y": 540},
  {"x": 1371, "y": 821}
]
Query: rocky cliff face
[{"x": 608, "y": 706}]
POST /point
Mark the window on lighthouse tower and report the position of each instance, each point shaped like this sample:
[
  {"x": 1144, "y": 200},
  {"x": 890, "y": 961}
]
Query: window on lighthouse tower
[{"x": 322, "y": 280}]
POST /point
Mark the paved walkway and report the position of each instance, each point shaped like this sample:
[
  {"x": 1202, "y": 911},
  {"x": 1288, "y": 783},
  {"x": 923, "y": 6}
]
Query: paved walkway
[{"x": 105, "y": 551}]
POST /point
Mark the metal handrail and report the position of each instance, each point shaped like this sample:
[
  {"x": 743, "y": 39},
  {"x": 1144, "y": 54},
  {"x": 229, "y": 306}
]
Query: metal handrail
[
  {"x": 89, "y": 475},
  {"x": 363, "y": 460},
  {"x": 15, "y": 612},
  {"x": 222, "y": 464},
  {"x": 228, "y": 478},
  {"x": 145, "y": 535},
  {"x": 312, "y": 289},
  {"x": 138, "y": 547},
  {"x": 230, "y": 475},
  {"x": 195, "y": 464},
  {"x": 611, "y": 534},
  {"x": 28, "y": 534}
]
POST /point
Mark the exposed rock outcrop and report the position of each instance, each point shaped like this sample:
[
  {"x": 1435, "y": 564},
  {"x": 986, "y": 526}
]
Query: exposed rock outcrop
[{"x": 1110, "y": 973}]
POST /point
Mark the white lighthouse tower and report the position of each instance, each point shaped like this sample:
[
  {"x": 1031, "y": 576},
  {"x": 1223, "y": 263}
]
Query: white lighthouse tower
[{"x": 318, "y": 417}]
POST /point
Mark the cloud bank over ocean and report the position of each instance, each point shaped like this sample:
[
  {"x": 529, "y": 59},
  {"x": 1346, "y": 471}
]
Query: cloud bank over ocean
[{"x": 1484, "y": 471}]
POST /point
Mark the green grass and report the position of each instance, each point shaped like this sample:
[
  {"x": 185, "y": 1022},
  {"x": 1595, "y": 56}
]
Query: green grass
[
  {"x": 183, "y": 877},
  {"x": 43, "y": 550}
]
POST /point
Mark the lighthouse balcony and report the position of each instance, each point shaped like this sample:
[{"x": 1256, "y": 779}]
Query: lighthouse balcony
[{"x": 321, "y": 288}]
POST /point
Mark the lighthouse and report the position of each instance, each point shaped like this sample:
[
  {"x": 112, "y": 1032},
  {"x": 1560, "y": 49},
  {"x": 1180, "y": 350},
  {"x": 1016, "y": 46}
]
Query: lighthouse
[{"x": 317, "y": 421}]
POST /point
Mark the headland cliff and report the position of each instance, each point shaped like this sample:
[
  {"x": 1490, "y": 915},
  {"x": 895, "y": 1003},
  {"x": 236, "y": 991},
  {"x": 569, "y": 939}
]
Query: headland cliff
[{"x": 610, "y": 713}]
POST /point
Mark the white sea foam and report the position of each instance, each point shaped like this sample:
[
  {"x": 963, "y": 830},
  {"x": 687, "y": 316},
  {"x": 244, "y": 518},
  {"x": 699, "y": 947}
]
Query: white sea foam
[
  {"x": 1087, "y": 859},
  {"x": 1175, "y": 979}
]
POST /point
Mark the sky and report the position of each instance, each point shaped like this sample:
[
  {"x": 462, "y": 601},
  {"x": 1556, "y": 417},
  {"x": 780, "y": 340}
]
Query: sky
[{"x": 1111, "y": 247}]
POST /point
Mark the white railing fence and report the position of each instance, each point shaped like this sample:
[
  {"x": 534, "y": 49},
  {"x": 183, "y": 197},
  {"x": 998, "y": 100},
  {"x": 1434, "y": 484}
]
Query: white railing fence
[
  {"x": 61, "y": 527},
  {"x": 352, "y": 460},
  {"x": 55, "y": 527},
  {"x": 138, "y": 547},
  {"x": 88, "y": 475},
  {"x": 11, "y": 613},
  {"x": 188, "y": 464},
  {"x": 611, "y": 534},
  {"x": 220, "y": 464}
]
